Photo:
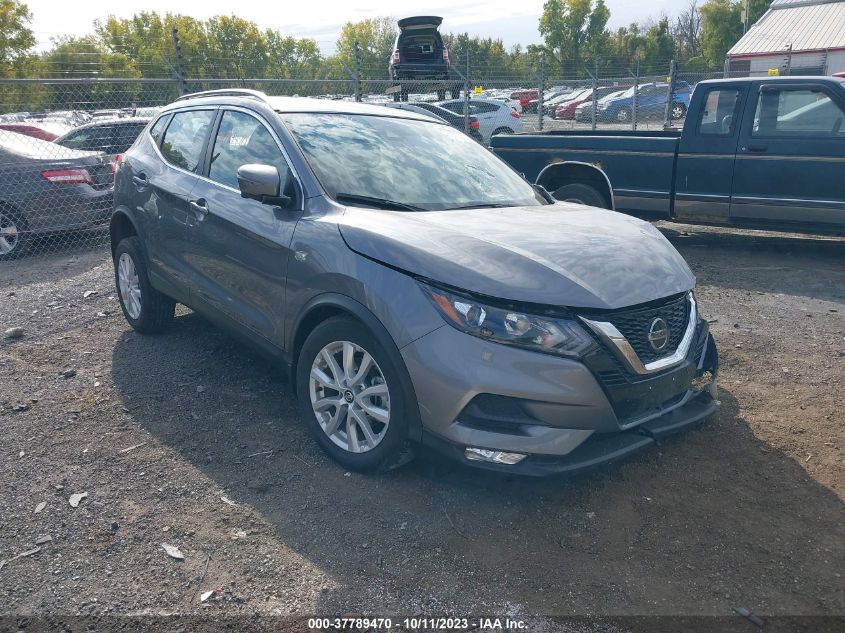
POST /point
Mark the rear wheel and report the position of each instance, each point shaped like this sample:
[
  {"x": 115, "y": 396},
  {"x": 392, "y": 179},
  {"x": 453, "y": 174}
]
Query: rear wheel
[
  {"x": 503, "y": 130},
  {"x": 623, "y": 115},
  {"x": 351, "y": 397},
  {"x": 679, "y": 111},
  {"x": 146, "y": 309},
  {"x": 13, "y": 234},
  {"x": 579, "y": 193}
]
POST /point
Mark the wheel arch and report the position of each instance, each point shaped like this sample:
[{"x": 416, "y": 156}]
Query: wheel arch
[
  {"x": 556, "y": 175},
  {"x": 328, "y": 305},
  {"x": 121, "y": 226}
]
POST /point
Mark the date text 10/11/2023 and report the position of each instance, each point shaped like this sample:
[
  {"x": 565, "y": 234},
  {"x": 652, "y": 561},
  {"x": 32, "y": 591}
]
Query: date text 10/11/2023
[{"x": 418, "y": 623}]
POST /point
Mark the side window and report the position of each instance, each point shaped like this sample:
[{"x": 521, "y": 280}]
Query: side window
[
  {"x": 454, "y": 106},
  {"x": 718, "y": 115},
  {"x": 798, "y": 113},
  {"x": 243, "y": 140},
  {"x": 125, "y": 135},
  {"x": 158, "y": 128},
  {"x": 484, "y": 108},
  {"x": 183, "y": 141}
]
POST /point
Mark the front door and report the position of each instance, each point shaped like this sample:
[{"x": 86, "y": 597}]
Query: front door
[
  {"x": 238, "y": 248},
  {"x": 704, "y": 172},
  {"x": 791, "y": 155}
]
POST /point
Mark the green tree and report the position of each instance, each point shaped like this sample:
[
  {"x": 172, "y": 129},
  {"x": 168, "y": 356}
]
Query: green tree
[
  {"x": 236, "y": 47},
  {"x": 292, "y": 58},
  {"x": 569, "y": 27},
  {"x": 375, "y": 37},
  {"x": 16, "y": 38},
  {"x": 720, "y": 29},
  {"x": 659, "y": 47}
]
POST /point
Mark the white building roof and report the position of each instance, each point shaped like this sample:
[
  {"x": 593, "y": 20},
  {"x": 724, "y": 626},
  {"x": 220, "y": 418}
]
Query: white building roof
[{"x": 809, "y": 25}]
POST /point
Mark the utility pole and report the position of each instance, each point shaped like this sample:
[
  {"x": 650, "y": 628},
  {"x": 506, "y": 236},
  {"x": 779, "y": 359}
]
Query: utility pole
[{"x": 180, "y": 79}]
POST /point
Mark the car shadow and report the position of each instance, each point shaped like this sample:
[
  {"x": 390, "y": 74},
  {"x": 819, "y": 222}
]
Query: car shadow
[{"x": 709, "y": 519}]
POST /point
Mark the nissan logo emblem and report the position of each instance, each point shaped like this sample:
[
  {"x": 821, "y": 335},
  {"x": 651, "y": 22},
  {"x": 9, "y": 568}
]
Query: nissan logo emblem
[{"x": 658, "y": 334}]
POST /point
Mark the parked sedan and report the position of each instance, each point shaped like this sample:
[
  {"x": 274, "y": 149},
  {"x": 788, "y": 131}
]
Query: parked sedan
[
  {"x": 112, "y": 137},
  {"x": 442, "y": 114},
  {"x": 566, "y": 110},
  {"x": 584, "y": 112},
  {"x": 30, "y": 129},
  {"x": 494, "y": 117},
  {"x": 45, "y": 187},
  {"x": 651, "y": 103}
]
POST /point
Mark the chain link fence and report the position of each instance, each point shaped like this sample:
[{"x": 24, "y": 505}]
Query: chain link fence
[{"x": 61, "y": 139}]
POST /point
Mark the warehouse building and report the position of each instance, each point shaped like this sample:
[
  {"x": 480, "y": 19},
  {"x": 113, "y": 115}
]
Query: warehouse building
[{"x": 794, "y": 37}]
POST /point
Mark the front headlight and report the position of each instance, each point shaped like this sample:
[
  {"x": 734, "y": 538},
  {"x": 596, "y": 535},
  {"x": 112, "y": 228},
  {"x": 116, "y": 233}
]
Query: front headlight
[
  {"x": 549, "y": 334},
  {"x": 603, "y": 106}
]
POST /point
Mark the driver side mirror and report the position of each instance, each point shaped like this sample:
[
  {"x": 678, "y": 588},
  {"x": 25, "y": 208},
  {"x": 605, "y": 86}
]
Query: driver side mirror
[{"x": 261, "y": 182}]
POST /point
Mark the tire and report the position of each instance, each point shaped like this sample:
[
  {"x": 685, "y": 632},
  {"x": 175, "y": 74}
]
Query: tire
[
  {"x": 678, "y": 111},
  {"x": 580, "y": 193},
  {"x": 149, "y": 312},
  {"x": 383, "y": 446},
  {"x": 15, "y": 238},
  {"x": 502, "y": 130},
  {"x": 623, "y": 115}
]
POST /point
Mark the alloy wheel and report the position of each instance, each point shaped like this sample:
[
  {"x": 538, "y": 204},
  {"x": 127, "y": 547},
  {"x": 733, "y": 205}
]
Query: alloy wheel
[
  {"x": 9, "y": 234},
  {"x": 622, "y": 116},
  {"x": 677, "y": 111},
  {"x": 349, "y": 396},
  {"x": 129, "y": 285}
]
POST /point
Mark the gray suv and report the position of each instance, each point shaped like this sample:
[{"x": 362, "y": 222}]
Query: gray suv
[{"x": 419, "y": 290}]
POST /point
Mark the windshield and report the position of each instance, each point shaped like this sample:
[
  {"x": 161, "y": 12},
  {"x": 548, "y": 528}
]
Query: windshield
[{"x": 418, "y": 164}]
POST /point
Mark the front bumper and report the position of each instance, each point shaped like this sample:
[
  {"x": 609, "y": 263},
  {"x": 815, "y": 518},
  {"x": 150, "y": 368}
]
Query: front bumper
[{"x": 475, "y": 393}]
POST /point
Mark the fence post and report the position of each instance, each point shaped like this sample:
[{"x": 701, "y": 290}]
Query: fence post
[
  {"x": 356, "y": 80},
  {"x": 466, "y": 97},
  {"x": 595, "y": 92},
  {"x": 636, "y": 97},
  {"x": 541, "y": 85},
  {"x": 667, "y": 118},
  {"x": 181, "y": 83}
]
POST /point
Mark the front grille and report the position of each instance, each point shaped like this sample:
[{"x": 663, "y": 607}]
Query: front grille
[{"x": 634, "y": 325}]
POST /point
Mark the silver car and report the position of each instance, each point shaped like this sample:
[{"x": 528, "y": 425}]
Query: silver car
[
  {"x": 494, "y": 117},
  {"x": 419, "y": 291}
]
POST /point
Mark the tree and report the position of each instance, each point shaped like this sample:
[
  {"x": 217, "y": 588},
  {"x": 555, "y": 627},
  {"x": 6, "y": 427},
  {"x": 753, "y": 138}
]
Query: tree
[
  {"x": 720, "y": 29},
  {"x": 687, "y": 31},
  {"x": 291, "y": 58},
  {"x": 571, "y": 28},
  {"x": 659, "y": 47},
  {"x": 16, "y": 38},
  {"x": 375, "y": 37}
]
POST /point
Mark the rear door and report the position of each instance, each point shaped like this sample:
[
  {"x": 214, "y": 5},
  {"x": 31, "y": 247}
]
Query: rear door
[
  {"x": 705, "y": 165},
  {"x": 238, "y": 248},
  {"x": 163, "y": 185},
  {"x": 791, "y": 155}
]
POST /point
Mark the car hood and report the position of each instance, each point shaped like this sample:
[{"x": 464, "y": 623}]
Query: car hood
[{"x": 562, "y": 255}]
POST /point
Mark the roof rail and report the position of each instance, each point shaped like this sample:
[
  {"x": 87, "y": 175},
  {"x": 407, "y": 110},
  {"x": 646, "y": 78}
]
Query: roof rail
[{"x": 226, "y": 92}]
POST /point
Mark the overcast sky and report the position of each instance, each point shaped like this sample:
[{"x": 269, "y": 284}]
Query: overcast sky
[{"x": 515, "y": 21}]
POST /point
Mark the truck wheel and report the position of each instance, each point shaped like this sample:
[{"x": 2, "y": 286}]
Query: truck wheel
[
  {"x": 679, "y": 111},
  {"x": 580, "y": 193},
  {"x": 623, "y": 115}
]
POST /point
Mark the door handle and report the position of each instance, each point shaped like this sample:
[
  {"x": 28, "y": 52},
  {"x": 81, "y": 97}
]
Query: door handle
[
  {"x": 140, "y": 180},
  {"x": 755, "y": 148},
  {"x": 199, "y": 206}
]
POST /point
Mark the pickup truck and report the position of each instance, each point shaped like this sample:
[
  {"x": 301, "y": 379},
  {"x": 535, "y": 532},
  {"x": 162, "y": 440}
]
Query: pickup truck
[{"x": 764, "y": 151}]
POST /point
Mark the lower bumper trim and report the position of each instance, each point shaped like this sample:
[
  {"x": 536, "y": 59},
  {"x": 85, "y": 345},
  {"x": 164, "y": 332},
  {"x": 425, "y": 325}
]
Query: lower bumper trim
[{"x": 598, "y": 450}]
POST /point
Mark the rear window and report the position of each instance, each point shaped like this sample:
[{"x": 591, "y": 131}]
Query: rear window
[{"x": 184, "y": 139}]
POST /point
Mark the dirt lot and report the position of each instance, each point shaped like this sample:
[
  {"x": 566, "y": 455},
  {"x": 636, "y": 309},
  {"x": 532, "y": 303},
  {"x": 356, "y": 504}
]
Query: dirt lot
[{"x": 188, "y": 439}]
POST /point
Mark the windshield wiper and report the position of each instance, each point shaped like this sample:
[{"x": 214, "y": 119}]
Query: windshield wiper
[
  {"x": 483, "y": 205},
  {"x": 380, "y": 203}
]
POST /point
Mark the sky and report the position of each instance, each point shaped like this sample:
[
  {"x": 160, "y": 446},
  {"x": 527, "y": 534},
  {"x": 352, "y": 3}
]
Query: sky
[{"x": 514, "y": 21}]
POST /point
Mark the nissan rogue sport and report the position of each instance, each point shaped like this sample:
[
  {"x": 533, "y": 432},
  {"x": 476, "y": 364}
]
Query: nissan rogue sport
[{"x": 419, "y": 290}]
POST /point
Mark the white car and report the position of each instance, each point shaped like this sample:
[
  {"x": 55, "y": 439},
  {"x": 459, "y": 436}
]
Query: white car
[{"x": 494, "y": 117}]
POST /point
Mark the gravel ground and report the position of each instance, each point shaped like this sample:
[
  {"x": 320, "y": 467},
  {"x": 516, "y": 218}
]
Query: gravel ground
[{"x": 188, "y": 439}]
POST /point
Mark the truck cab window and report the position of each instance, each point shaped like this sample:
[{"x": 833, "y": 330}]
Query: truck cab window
[{"x": 718, "y": 114}]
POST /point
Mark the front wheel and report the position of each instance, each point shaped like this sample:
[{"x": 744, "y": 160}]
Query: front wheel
[
  {"x": 13, "y": 234},
  {"x": 351, "y": 397},
  {"x": 146, "y": 309},
  {"x": 579, "y": 193}
]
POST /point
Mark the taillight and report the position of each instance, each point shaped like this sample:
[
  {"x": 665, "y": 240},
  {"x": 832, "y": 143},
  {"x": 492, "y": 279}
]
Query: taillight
[
  {"x": 474, "y": 125},
  {"x": 115, "y": 163},
  {"x": 395, "y": 57},
  {"x": 68, "y": 176},
  {"x": 445, "y": 55},
  {"x": 514, "y": 114}
]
